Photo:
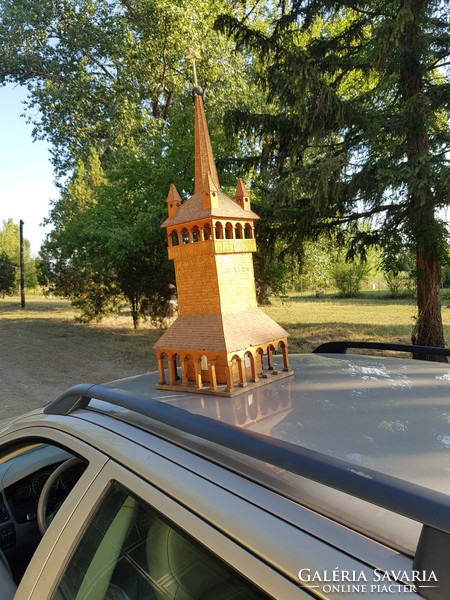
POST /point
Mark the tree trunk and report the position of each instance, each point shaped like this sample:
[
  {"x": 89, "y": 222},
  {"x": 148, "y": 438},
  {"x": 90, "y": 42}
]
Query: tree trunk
[
  {"x": 428, "y": 330},
  {"x": 135, "y": 311}
]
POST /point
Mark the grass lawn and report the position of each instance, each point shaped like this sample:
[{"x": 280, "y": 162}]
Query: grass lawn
[{"x": 309, "y": 321}]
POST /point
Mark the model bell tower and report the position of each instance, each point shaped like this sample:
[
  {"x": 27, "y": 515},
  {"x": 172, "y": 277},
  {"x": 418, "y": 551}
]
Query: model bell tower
[{"x": 221, "y": 342}]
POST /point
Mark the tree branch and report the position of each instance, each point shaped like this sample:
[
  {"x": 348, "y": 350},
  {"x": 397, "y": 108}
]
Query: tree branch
[
  {"x": 355, "y": 216},
  {"x": 99, "y": 64}
]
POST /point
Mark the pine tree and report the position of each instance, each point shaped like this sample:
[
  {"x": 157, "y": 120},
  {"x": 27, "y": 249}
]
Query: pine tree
[{"x": 359, "y": 98}]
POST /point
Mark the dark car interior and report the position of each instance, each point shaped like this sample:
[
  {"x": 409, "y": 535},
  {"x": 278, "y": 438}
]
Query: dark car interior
[{"x": 34, "y": 478}]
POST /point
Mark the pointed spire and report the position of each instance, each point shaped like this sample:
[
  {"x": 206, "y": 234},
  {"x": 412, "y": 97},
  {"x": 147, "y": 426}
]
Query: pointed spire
[
  {"x": 242, "y": 196},
  {"x": 203, "y": 156},
  {"x": 173, "y": 201}
]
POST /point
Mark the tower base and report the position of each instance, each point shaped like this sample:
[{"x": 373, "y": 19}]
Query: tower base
[{"x": 221, "y": 390}]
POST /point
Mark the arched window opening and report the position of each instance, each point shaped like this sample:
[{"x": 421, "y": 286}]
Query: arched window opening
[
  {"x": 248, "y": 234},
  {"x": 229, "y": 231},
  {"x": 175, "y": 240},
  {"x": 185, "y": 236},
  {"x": 176, "y": 366},
  {"x": 238, "y": 231},
  {"x": 195, "y": 234},
  {"x": 207, "y": 232},
  {"x": 219, "y": 231}
]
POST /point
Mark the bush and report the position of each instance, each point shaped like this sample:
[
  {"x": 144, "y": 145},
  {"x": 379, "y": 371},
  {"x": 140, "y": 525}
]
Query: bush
[
  {"x": 349, "y": 278},
  {"x": 399, "y": 282},
  {"x": 398, "y": 267}
]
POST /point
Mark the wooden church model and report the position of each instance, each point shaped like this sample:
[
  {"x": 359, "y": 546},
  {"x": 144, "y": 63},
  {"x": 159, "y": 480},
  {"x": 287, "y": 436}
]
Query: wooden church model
[{"x": 221, "y": 343}]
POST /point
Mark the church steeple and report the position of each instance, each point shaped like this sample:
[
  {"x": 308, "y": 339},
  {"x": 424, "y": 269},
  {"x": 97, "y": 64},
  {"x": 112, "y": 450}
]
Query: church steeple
[
  {"x": 221, "y": 342},
  {"x": 203, "y": 154}
]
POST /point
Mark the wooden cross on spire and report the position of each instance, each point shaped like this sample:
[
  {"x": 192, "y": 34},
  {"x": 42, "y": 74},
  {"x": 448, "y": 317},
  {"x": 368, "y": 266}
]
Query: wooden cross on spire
[{"x": 193, "y": 55}]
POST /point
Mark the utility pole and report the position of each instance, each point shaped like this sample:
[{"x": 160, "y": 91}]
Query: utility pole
[{"x": 22, "y": 270}]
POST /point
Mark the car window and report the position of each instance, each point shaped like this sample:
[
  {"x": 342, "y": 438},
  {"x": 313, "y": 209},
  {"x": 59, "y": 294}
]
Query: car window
[
  {"x": 24, "y": 471},
  {"x": 129, "y": 552}
]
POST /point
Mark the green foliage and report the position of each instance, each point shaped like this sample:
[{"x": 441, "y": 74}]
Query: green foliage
[
  {"x": 398, "y": 266},
  {"x": 318, "y": 260},
  {"x": 105, "y": 74},
  {"x": 446, "y": 278},
  {"x": 107, "y": 245},
  {"x": 91, "y": 291},
  {"x": 7, "y": 275},
  {"x": 349, "y": 277},
  {"x": 271, "y": 279},
  {"x": 113, "y": 91},
  {"x": 355, "y": 127},
  {"x": 10, "y": 246}
]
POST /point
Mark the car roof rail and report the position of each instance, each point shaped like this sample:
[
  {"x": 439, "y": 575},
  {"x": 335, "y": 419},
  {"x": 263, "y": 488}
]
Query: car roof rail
[
  {"x": 341, "y": 347},
  {"x": 416, "y": 502}
]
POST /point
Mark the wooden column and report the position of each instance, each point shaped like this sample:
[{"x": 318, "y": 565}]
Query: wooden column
[
  {"x": 212, "y": 375},
  {"x": 162, "y": 375},
  {"x": 198, "y": 374},
  {"x": 254, "y": 376},
  {"x": 285, "y": 358},
  {"x": 242, "y": 373},
  {"x": 184, "y": 371},
  {"x": 172, "y": 371},
  {"x": 270, "y": 358},
  {"x": 229, "y": 376}
]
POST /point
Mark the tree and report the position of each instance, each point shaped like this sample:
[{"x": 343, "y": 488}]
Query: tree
[
  {"x": 10, "y": 246},
  {"x": 113, "y": 91},
  {"x": 105, "y": 74},
  {"x": 7, "y": 275},
  {"x": 319, "y": 257},
  {"x": 349, "y": 277},
  {"x": 71, "y": 261},
  {"x": 357, "y": 127}
]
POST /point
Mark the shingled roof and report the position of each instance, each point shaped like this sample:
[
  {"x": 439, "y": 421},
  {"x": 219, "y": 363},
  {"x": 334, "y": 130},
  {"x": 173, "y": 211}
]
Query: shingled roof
[
  {"x": 232, "y": 332},
  {"x": 193, "y": 210}
]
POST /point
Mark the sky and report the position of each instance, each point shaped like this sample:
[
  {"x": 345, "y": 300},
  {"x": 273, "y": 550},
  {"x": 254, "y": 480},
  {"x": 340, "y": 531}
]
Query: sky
[{"x": 26, "y": 174}]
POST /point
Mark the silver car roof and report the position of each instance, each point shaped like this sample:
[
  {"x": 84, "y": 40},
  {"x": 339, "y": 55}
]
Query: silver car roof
[{"x": 381, "y": 415}]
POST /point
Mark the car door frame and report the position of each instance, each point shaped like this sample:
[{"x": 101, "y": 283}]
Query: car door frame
[
  {"x": 96, "y": 461},
  {"x": 244, "y": 563}
]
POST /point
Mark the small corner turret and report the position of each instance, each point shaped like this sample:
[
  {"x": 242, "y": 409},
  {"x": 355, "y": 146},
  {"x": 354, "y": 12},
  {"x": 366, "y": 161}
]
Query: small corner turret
[
  {"x": 242, "y": 196},
  {"x": 173, "y": 201}
]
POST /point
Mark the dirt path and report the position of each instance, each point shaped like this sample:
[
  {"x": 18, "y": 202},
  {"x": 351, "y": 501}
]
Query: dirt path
[{"x": 40, "y": 358}]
